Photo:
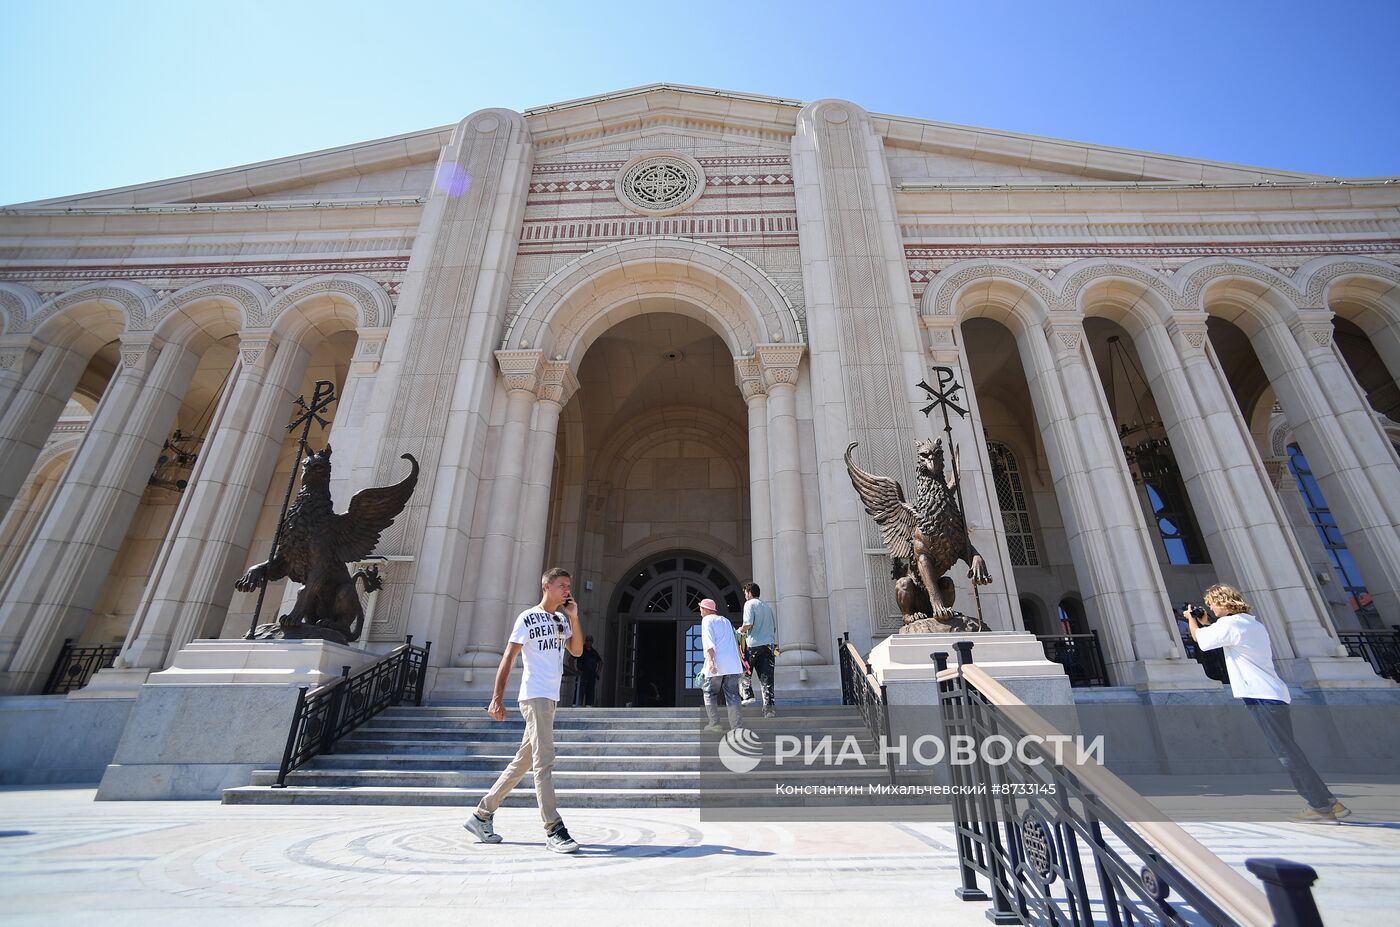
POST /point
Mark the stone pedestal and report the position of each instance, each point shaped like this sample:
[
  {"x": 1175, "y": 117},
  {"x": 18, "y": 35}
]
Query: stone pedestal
[
  {"x": 1016, "y": 659},
  {"x": 219, "y": 712}
]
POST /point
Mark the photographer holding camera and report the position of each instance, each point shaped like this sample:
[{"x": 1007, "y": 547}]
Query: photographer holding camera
[{"x": 1249, "y": 657}]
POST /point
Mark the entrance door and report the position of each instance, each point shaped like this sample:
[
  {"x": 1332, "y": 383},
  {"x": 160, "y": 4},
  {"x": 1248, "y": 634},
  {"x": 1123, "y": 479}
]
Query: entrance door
[{"x": 659, "y": 612}]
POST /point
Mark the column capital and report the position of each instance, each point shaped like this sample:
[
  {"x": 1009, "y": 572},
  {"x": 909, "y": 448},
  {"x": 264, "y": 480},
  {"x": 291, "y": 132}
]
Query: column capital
[
  {"x": 369, "y": 349},
  {"x": 139, "y": 351},
  {"x": 520, "y": 370},
  {"x": 941, "y": 336},
  {"x": 1313, "y": 328},
  {"x": 779, "y": 363},
  {"x": 12, "y": 355},
  {"x": 256, "y": 349},
  {"x": 1188, "y": 332},
  {"x": 557, "y": 383},
  {"x": 748, "y": 376},
  {"x": 1064, "y": 335}
]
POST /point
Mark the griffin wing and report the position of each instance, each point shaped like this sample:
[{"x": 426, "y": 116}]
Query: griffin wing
[
  {"x": 356, "y": 533},
  {"x": 884, "y": 501}
]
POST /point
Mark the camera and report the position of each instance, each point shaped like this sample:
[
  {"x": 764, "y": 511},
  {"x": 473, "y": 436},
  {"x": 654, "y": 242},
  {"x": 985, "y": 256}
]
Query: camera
[{"x": 1197, "y": 612}]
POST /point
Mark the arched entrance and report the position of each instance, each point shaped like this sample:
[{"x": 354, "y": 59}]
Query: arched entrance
[{"x": 656, "y": 619}]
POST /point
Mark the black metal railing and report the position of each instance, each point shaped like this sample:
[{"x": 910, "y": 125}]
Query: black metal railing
[
  {"x": 1212, "y": 661},
  {"x": 328, "y": 712},
  {"x": 77, "y": 664},
  {"x": 1379, "y": 648},
  {"x": 1080, "y": 654},
  {"x": 1051, "y": 849},
  {"x": 860, "y": 688}
]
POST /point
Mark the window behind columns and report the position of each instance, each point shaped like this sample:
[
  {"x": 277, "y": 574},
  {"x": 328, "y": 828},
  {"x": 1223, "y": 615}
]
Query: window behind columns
[
  {"x": 1011, "y": 498},
  {"x": 1320, "y": 514},
  {"x": 1167, "y": 497}
]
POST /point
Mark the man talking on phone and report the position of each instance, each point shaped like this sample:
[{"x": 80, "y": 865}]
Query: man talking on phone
[{"x": 539, "y": 635}]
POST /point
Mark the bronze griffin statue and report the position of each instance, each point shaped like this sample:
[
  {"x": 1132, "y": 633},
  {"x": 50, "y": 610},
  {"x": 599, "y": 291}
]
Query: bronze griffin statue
[
  {"x": 924, "y": 540},
  {"x": 316, "y": 543}
]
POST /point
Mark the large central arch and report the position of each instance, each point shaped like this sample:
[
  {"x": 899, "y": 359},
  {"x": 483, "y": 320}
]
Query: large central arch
[{"x": 586, "y": 297}]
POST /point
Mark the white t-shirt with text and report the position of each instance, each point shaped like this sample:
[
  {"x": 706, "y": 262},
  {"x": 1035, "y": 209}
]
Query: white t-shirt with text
[
  {"x": 541, "y": 635},
  {"x": 716, "y": 632},
  {"x": 1249, "y": 656}
]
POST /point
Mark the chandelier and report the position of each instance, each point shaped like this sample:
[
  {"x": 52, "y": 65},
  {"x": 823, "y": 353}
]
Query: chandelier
[
  {"x": 1143, "y": 436},
  {"x": 176, "y": 461},
  {"x": 180, "y": 451}
]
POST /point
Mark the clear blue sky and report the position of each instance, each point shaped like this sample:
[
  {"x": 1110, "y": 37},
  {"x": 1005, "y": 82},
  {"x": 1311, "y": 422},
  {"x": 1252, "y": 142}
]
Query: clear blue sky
[{"x": 96, "y": 95}]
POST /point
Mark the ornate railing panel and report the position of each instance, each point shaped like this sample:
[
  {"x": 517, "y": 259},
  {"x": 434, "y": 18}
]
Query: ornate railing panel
[
  {"x": 1379, "y": 648},
  {"x": 1080, "y": 654},
  {"x": 77, "y": 664},
  {"x": 327, "y": 713},
  {"x": 1053, "y": 845},
  {"x": 860, "y": 688}
]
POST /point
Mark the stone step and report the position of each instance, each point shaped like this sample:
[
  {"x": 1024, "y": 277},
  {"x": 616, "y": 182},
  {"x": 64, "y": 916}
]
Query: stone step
[
  {"x": 481, "y": 780},
  {"x": 465, "y": 748},
  {"x": 609, "y": 716},
  {"x": 497, "y": 761},
  {"x": 524, "y": 797},
  {"x": 797, "y": 725},
  {"x": 503, "y": 734}
]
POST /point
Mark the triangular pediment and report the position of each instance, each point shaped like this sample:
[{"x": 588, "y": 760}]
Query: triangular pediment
[
  {"x": 921, "y": 152},
  {"x": 395, "y": 166}
]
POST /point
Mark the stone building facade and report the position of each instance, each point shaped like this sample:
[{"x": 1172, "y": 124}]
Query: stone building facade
[{"x": 634, "y": 334}]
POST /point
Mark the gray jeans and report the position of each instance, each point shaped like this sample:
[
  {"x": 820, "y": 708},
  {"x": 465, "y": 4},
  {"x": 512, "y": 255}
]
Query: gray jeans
[
  {"x": 726, "y": 690},
  {"x": 1278, "y": 731}
]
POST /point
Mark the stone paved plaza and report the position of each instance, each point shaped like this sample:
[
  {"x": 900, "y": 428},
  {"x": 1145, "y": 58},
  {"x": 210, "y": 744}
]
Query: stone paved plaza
[{"x": 65, "y": 859}]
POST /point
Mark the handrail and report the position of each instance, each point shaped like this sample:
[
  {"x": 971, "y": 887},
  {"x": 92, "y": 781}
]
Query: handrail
[
  {"x": 328, "y": 712},
  {"x": 1232, "y": 891},
  {"x": 860, "y": 687}
]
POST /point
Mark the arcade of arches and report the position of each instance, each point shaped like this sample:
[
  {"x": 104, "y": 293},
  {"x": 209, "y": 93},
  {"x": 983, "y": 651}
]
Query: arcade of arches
[{"x": 657, "y": 396}]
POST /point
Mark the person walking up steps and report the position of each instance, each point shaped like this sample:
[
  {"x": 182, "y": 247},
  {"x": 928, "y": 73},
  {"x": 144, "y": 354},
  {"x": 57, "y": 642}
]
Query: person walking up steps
[
  {"x": 723, "y": 666},
  {"x": 539, "y": 635},
  {"x": 762, "y": 629}
]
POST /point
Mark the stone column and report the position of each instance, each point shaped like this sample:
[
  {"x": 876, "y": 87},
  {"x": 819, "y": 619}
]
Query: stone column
[
  {"x": 999, "y": 601},
  {"x": 486, "y": 607},
  {"x": 191, "y": 581},
  {"x": 748, "y": 375},
  {"x": 17, "y": 356},
  {"x": 437, "y": 380},
  {"x": 31, "y": 413},
  {"x": 793, "y": 579},
  {"x": 1241, "y": 520},
  {"x": 1113, "y": 556},
  {"x": 62, "y": 573},
  {"x": 557, "y": 384},
  {"x": 1348, "y": 451}
]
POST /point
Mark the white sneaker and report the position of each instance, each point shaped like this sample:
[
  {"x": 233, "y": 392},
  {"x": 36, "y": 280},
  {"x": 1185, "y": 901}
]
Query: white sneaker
[
  {"x": 559, "y": 840},
  {"x": 483, "y": 830}
]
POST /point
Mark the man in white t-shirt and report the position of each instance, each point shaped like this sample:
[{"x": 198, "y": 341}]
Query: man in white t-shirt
[
  {"x": 723, "y": 665},
  {"x": 1249, "y": 660},
  {"x": 539, "y": 636}
]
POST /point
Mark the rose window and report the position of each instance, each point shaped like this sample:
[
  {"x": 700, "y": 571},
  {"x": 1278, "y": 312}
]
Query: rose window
[{"x": 660, "y": 185}]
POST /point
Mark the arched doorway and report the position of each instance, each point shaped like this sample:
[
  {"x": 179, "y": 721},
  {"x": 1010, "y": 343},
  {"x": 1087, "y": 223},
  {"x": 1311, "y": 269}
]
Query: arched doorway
[{"x": 657, "y": 622}]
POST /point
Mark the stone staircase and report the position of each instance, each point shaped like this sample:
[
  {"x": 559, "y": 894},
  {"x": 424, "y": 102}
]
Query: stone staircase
[{"x": 606, "y": 758}]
